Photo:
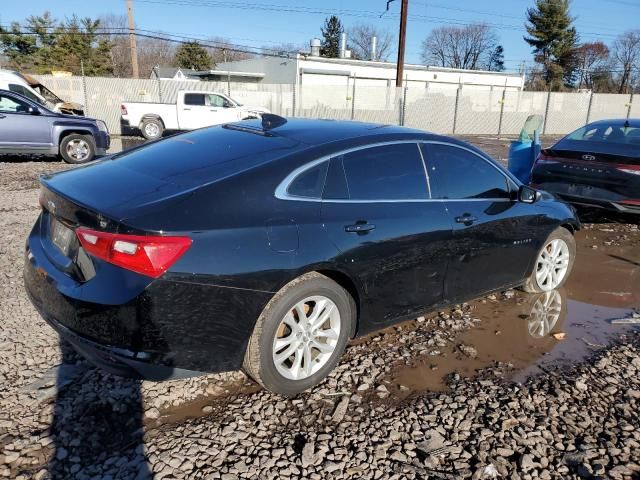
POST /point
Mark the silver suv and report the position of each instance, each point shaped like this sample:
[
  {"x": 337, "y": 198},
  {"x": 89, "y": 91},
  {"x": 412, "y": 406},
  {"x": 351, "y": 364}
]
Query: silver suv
[{"x": 27, "y": 127}]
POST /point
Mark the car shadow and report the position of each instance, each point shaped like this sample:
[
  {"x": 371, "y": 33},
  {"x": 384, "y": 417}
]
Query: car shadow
[
  {"x": 97, "y": 423},
  {"x": 599, "y": 216}
]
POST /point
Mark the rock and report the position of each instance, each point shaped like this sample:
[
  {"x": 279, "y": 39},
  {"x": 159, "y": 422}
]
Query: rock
[
  {"x": 581, "y": 386},
  {"x": 308, "y": 457},
  {"x": 469, "y": 351},
  {"x": 152, "y": 413},
  {"x": 527, "y": 462},
  {"x": 341, "y": 409},
  {"x": 432, "y": 442}
]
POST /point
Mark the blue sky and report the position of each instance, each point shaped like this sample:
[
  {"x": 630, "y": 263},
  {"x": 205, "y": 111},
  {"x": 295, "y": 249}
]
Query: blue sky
[{"x": 267, "y": 22}]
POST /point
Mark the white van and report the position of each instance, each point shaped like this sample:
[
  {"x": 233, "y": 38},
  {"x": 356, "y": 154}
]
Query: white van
[{"x": 34, "y": 90}]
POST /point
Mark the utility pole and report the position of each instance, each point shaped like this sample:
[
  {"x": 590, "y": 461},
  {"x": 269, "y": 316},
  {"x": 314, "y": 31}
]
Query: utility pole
[
  {"x": 401, "y": 42},
  {"x": 132, "y": 40}
]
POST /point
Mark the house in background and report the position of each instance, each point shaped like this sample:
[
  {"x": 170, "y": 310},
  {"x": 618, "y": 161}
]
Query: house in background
[{"x": 171, "y": 73}]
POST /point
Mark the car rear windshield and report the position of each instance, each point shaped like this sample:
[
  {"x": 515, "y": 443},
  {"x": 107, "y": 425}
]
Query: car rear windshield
[
  {"x": 205, "y": 154},
  {"x": 617, "y": 139}
]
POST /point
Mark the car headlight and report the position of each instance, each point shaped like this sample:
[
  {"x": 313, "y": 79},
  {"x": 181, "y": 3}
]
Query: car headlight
[{"x": 102, "y": 126}]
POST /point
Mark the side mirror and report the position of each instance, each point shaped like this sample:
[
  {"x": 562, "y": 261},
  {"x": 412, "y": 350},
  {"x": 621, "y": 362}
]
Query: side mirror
[
  {"x": 33, "y": 111},
  {"x": 528, "y": 195}
]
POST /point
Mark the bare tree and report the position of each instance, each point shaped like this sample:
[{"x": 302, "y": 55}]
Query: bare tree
[
  {"x": 626, "y": 54},
  {"x": 151, "y": 51},
  {"x": 223, "y": 50},
  {"x": 359, "y": 40},
  {"x": 469, "y": 47},
  {"x": 591, "y": 58}
]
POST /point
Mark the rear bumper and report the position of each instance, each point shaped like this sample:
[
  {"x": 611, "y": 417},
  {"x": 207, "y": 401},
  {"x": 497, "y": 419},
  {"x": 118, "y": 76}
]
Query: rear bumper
[
  {"x": 135, "y": 326},
  {"x": 590, "y": 197}
]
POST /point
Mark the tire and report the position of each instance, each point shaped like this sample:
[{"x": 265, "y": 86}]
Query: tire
[
  {"x": 260, "y": 358},
  {"x": 552, "y": 281},
  {"x": 76, "y": 148},
  {"x": 152, "y": 128}
]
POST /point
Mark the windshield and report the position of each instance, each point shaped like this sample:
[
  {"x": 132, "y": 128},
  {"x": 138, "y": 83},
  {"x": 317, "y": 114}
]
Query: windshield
[{"x": 614, "y": 138}]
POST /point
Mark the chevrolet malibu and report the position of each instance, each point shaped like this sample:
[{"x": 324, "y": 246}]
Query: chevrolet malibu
[{"x": 266, "y": 245}]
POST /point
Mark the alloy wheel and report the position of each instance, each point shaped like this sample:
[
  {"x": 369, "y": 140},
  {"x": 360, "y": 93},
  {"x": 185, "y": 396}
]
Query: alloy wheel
[
  {"x": 306, "y": 337},
  {"x": 545, "y": 314},
  {"x": 552, "y": 264},
  {"x": 78, "y": 149},
  {"x": 151, "y": 129}
]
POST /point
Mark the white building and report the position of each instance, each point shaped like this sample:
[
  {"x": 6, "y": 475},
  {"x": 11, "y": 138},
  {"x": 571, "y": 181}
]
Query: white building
[{"x": 305, "y": 69}]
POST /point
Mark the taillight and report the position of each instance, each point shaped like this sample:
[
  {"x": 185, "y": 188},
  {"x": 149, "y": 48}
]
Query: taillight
[
  {"x": 542, "y": 158},
  {"x": 147, "y": 255},
  {"x": 632, "y": 169},
  {"x": 123, "y": 109}
]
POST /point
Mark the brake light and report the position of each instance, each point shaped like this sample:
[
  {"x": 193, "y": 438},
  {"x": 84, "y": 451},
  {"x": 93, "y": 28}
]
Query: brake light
[
  {"x": 632, "y": 169},
  {"x": 147, "y": 255},
  {"x": 123, "y": 109},
  {"x": 542, "y": 158}
]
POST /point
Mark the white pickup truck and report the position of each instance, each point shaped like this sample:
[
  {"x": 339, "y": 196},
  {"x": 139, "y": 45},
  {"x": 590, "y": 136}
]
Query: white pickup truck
[{"x": 193, "y": 109}]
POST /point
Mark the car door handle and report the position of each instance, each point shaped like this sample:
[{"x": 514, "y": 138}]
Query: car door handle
[
  {"x": 186, "y": 109},
  {"x": 3, "y": 116},
  {"x": 467, "y": 219},
  {"x": 359, "y": 228}
]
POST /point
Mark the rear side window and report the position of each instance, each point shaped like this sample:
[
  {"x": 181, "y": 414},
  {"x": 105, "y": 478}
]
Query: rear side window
[
  {"x": 309, "y": 183},
  {"x": 456, "y": 173},
  {"x": 194, "y": 99},
  {"x": 387, "y": 172}
]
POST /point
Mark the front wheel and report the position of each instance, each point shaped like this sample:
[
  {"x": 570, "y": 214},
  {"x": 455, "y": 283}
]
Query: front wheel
[
  {"x": 300, "y": 335},
  {"x": 554, "y": 262},
  {"x": 76, "y": 148}
]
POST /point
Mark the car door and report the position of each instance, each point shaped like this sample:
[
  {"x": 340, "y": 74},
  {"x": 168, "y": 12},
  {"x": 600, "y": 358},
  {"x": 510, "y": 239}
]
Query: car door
[
  {"x": 23, "y": 127},
  {"x": 392, "y": 238},
  {"x": 194, "y": 111},
  {"x": 494, "y": 234}
]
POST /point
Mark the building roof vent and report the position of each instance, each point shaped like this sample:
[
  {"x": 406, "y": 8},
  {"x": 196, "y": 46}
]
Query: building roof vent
[{"x": 315, "y": 47}]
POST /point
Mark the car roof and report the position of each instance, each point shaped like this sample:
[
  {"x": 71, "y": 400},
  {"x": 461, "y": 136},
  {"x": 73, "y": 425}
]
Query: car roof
[
  {"x": 314, "y": 132},
  {"x": 621, "y": 122}
]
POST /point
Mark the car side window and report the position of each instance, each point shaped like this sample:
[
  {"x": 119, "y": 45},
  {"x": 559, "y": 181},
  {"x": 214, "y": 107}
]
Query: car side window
[
  {"x": 386, "y": 172},
  {"x": 216, "y": 101},
  {"x": 194, "y": 99},
  {"x": 456, "y": 173},
  {"x": 310, "y": 182},
  {"x": 23, "y": 91},
  {"x": 12, "y": 105}
]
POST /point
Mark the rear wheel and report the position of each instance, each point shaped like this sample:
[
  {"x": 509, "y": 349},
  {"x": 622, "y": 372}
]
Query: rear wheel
[
  {"x": 76, "y": 148},
  {"x": 152, "y": 128},
  {"x": 554, "y": 262},
  {"x": 300, "y": 335}
]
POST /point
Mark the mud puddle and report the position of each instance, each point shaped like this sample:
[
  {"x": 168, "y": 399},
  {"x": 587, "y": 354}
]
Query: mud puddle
[
  {"x": 529, "y": 333},
  {"x": 208, "y": 404}
]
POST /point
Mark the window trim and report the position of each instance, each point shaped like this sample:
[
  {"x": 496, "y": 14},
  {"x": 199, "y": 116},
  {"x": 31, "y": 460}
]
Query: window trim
[
  {"x": 507, "y": 177},
  {"x": 281, "y": 192}
]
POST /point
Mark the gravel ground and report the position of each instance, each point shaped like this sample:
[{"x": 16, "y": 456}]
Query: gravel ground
[{"x": 62, "y": 418}]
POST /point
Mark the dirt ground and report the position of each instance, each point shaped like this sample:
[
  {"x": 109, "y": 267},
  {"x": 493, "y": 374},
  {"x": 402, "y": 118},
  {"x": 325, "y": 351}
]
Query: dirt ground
[{"x": 507, "y": 386}]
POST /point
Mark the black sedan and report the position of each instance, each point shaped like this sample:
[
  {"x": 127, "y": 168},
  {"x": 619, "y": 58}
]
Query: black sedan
[
  {"x": 598, "y": 165},
  {"x": 266, "y": 245}
]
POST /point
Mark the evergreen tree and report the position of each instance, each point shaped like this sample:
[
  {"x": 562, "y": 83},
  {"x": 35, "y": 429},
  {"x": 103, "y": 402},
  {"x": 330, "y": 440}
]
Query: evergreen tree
[
  {"x": 496, "y": 60},
  {"x": 42, "y": 45},
  {"x": 554, "y": 41},
  {"x": 331, "y": 32},
  {"x": 193, "y": 55}
]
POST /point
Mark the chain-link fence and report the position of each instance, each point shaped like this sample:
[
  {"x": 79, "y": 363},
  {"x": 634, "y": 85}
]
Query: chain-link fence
[{"x": 447, "y": 109}]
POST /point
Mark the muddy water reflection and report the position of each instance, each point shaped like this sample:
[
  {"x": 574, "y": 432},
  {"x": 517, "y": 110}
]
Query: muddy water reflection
[{"x": 520, "y": 332}]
